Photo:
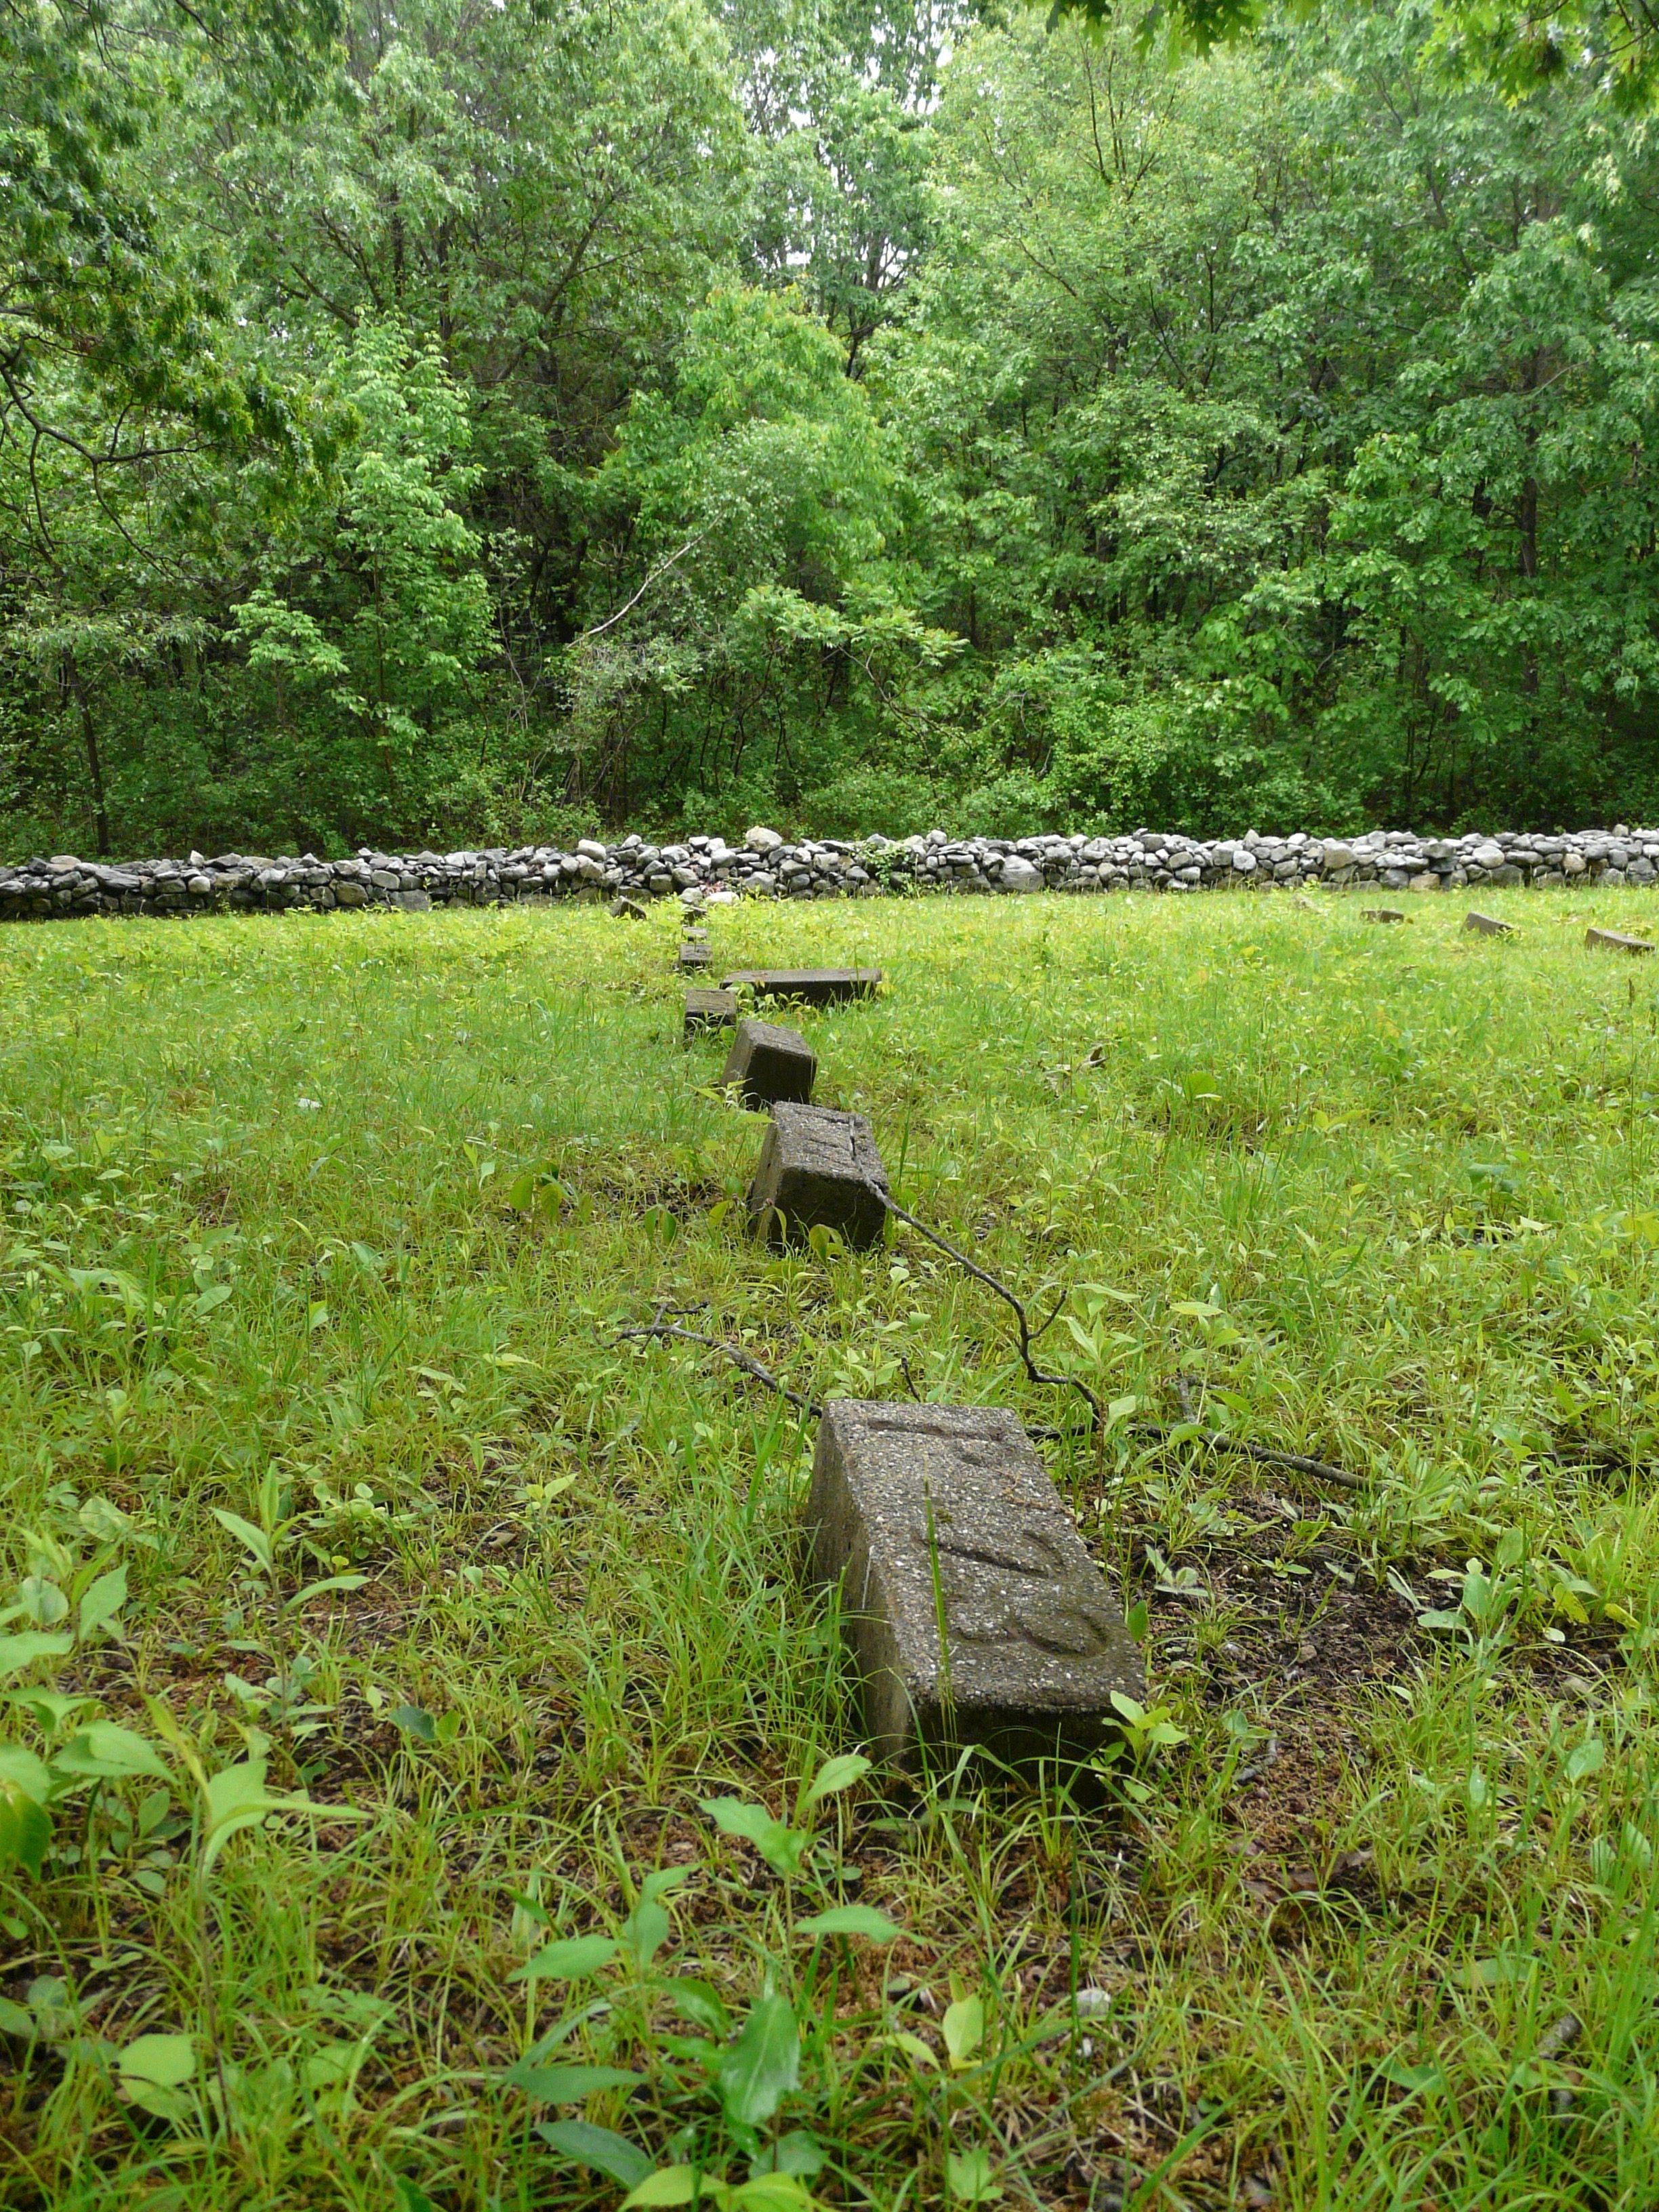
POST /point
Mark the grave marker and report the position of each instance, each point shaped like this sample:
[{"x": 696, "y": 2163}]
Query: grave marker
[
  {"x": 768, "y": 1063},
  {"x": 1487, "y": 924},
  {"x": 818, "y": 986},
  {"x": 1609, "y": 941},
  {"x": 695, "y": 958},
  {"x": 1382, "y": 914},
  {"x": 709, "y": 1009},
  {"x": 923, "y": 1511},
  {"x": 818, "y": 1168}
]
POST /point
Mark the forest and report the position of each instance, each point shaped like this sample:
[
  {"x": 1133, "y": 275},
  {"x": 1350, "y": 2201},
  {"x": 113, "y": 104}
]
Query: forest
[{"x": 476, "y": 420}]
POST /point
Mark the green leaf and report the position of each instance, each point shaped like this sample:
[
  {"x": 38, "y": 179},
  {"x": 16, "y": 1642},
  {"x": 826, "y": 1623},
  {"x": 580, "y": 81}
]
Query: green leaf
[
  {"x": 15, "y": 2021},
  {"x": 851, "y": 1920},
  {"x": 303, "y": 1597},
  {"x": 253, "y": 1540},
  {"x": 799, "y": 2153},
  {"x": 1586, "y": 1759},
  {"x": 572, "y": 1959},
  {"x": 834, "y": 1776},
  {"x": 103, "y": 1750},
  {"x": 602, "y": 2148},
  {"x": 967, "y": 2173},
  {"x": 963, "y": 2029},
  {"x": 762, "y": 2066},
  {"x": 566, "y": 2085},
  {"x": 783, "y": 1848},
  {"x": 161, "y": 2061},
  {"x": 17, "y": 1652},
  {"x": 237, "y": 1798},
  {"x": 1412, "y": 2079},
  {"x": 696, "y": 2001},
  {"x": 102, "y": 1602},
  {"x": 671, "y": 2185},
  {"x": 771, "y": 2192},
  {"x": 24, "y": 1827},
  {"x": 416, "y": 1721}
]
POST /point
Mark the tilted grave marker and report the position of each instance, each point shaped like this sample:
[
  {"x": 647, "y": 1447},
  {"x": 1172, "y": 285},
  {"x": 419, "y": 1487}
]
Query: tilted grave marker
[
  {"x": 1609, "y": 941},
  {"x": 945, "y": 1512},
  {"x": 1487, "y": 924},
  {"x": 1382, "y": 914},
  {"x": 709, "y": 1009},
  {"x": 818, "y": 1168},
  {"x": 817, "y": 986},
  {"x": 768, "y": 1062}
]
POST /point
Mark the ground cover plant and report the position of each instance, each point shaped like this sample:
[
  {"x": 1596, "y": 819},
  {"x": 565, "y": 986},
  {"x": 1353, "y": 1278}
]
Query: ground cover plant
[{"x": 425, "y": 1780}]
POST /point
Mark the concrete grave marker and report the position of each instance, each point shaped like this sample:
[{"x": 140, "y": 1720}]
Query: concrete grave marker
[
  {"x": 1382, "y": 914},
  {"x": 627, "y": 909},
  {"x": 818, "y": 986},
  {"x": 818, "y": 1168},
  {"x": 1487, "y": 924},
  {"x": 928, "y": 1511},
  {"x": 768, "y": 1063},
  {"x": 709, "y": 1009},
  {"x": 1609, "y": 941},
  {"x": 695, "y": 957}
]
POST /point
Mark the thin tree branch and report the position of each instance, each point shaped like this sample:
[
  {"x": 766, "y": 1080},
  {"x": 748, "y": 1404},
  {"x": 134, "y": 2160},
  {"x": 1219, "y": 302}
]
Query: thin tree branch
[
  {"x": 655, "y": 576},
  {"x": 1264, "y": 1455},
  {"x": 991, "y": 1283},
  {"x": 752, "y": 1368}
]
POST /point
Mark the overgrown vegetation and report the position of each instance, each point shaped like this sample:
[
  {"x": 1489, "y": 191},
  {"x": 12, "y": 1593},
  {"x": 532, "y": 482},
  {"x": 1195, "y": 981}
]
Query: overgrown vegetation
[
  {"x": 477, "y": 421},
  {"x": 426, "y": 1781}
]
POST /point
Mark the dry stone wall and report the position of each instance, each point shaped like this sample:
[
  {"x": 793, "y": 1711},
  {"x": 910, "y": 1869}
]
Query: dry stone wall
[{"x": 765, "y": 865}]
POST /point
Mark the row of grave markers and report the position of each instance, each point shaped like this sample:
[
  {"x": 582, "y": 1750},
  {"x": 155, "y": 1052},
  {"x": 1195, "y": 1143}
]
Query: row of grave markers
[
  {"x": 970, "y": 1607},
  {"x": 1488, "y": 925}
]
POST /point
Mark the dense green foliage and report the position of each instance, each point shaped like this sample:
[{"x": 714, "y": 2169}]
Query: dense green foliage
[
  {"x": 326, "y": 1472},
  {"x": 486, "y": 421}
]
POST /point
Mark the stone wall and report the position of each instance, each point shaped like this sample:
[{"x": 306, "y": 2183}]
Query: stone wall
[{"x": 765, "y": 866}]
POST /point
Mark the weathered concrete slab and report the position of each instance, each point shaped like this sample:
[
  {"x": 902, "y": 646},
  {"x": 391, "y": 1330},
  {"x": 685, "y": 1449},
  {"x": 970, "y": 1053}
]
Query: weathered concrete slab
[
  {"x": 1609, "y": 941},
  {"x": 627, "y": 909},
  {"x": 709, "y": 1009},
  {"x": 1487, "y": 924},
  {"x": 924, "y": 1512},
  {"x": 817, "y": 986},
  {"x": 768, "y": 1062},
  {"x": 1382, "y": 913},
  {"x": 818, "y": 1167},
  {"x": 694, "y": 958}
]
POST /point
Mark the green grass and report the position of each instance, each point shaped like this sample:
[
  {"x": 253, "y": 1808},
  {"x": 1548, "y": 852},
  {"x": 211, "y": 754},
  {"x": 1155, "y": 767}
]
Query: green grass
[{"x": 1385, "y": 1196}]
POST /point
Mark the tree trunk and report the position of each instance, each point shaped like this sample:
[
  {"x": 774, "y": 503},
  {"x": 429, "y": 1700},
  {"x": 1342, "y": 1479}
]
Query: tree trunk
[{"x": 78, "y": 685}]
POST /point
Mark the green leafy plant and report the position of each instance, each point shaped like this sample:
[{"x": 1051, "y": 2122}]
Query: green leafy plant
[{"x": 727, "y": 2079}]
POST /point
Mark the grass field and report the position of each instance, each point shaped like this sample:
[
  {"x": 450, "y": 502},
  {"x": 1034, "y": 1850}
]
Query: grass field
[{"x": 317, "y": 1232}]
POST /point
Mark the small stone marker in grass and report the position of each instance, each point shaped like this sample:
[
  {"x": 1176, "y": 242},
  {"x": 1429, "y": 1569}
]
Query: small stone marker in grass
[
  {"x": 818, "y": 986},
  {"x": 1609, "y": 941},
  {"x": 1487, "y": 924},
  {"x": 818, "y": 1168},
  {"x": 1382, "y": 914},
  {"x": 768, "y": 1063},
  {"x": 943, "y": 1516},
  {"x": 627, "y": 909},
  {"x": 709, "y": 1009},
  {"x": 697, "y": 956}
]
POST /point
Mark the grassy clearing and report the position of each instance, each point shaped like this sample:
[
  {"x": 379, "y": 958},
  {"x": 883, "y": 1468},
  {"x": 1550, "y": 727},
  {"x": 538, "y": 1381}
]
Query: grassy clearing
[{"x": 1381, "y": 1196}]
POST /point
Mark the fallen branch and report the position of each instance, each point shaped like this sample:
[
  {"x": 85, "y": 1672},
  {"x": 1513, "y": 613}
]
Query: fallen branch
[
  {"x": 1264, "y": 1455},
  {"x": 1213, "y": 1439},
  {"x": 991, "y": 1283},
  {"x": 751, "y": 1368}
]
